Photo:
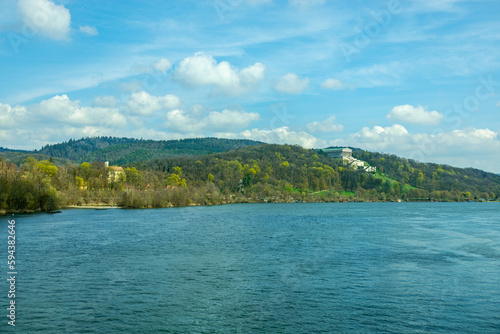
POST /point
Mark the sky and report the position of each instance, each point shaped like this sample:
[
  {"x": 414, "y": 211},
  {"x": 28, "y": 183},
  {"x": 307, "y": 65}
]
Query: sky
[{"x": 415, "y": 78}]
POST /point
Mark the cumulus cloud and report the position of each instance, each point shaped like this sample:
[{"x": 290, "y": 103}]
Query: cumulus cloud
[
  {"x": 281, "y": 135},
  {"x": 463, "y": 148},
  {"x": 291, "y": 84},
  {"x": 88, "y": 30},
  {"x": 61, "y": 109},
  {"x": 328, "y": 125},
  {"x": 11, "y": 116},
  {"x": 107, "y": 117},
  {"x": 142, "y": 103},
  {"x": 162, "y": 65},
  {"x": 414, "y": 115},
  {"x": 332, "y": 83},
  {"x": 46, "y": 18},
  {"x": 376, "y": 138},
  {"x": 203, "y": 70},
  {"x": 226, "y": 120}
]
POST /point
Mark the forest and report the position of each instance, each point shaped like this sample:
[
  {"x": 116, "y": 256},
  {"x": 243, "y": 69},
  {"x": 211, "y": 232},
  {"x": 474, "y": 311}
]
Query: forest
[{"x": 240, "y": 172}]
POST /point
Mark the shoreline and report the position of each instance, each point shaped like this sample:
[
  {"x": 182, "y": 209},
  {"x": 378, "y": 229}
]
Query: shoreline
[
  {"x": 105, "y": 207},
  {"x": 92, "y": 206}
]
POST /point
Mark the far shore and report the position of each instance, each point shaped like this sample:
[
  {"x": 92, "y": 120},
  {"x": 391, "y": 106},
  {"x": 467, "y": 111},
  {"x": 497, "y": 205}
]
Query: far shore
[
  {"x": 93, "y": 206},
  {"x": 105, "y": 207}
]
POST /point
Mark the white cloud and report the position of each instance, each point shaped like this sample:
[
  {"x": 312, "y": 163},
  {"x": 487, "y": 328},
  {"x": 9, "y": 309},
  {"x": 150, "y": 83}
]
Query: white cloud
[
  {"x": 281, "y": 135},
  {"x": 57, "y": 107},
  {"x": 498, "y": 104},
  {"x": 178, "y": 120},
  {"x": 229, "y": 120},
  {"x": 62, "y": 110},
  {"x": 414, "y": 115},
  {"x": 328, "y": 125},
  {"x": 142, "y": 103},
  {"x": 291, "y": 84},
  {"x": 332, "y": 83},
  {"x": 203, "y": 70},
  {"x": 162, "y": 65},
  {"x": 106, "y": 117},
  {"x": 48, "y": 19},
  {"x": 462, "y": 148},
  {"x": 226, "y": 120},
  {"x": 88, "y": 30},
  {"x": 11, "y": 116}
]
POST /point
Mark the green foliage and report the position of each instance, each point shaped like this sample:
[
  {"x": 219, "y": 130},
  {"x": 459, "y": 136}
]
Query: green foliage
[
  {"x": 123, "y": 151},
  {"x": 175, "y": 179},
  {"x": 254, "y": 173},
  {"x": 133, "y": 176},
  {"x": 47, "y": 168}
]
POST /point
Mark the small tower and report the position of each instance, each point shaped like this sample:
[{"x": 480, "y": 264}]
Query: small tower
[{"x": 106, "y": 163}]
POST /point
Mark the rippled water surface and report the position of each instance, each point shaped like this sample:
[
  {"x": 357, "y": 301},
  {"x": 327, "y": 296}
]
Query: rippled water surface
[{"x": 259, "y": 268}]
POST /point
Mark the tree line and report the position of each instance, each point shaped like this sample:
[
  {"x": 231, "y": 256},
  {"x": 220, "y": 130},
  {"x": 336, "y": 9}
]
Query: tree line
[{"x": 255, "y": 173}]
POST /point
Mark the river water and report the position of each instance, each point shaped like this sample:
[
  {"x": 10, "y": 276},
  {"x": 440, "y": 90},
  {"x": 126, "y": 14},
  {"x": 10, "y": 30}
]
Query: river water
[{"x": 258, "y": 268}]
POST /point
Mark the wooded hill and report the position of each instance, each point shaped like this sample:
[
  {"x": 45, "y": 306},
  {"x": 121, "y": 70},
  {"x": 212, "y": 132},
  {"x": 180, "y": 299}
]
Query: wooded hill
[
  {"x": 122, "y": 151},
  {"x": 307, "y": 171},
  {"x": 252, "y": 172}
]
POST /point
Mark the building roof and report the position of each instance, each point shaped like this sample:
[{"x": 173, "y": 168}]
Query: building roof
[
  {"x": 116, "y": 168},
  {"x": 336, "y": 149}
]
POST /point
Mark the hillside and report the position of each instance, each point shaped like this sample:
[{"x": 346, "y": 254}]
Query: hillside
[
  {"x": 75, "y": 150},
  {"x": 310, "y": 171},
  {"x": 252, "y": 173},
  {"x": 122, "y": 151},
  {"x": 18, "y": 157}
]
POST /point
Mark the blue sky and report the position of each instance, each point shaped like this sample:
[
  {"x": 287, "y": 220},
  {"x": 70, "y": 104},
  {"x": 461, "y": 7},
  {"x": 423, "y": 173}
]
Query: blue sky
[{"x": 420, "y": 78}]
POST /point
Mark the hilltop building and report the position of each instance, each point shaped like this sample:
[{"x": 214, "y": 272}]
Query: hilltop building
[
  {"x": 346, "y": 155},
  {"x": 338, "y": 153}
]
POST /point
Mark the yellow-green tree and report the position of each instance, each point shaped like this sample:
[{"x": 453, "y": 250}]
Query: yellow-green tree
[
  {"x": 47, "y": 168},
  {"x": 175, "y": 179},
  {"x": 133, "y": 176}
]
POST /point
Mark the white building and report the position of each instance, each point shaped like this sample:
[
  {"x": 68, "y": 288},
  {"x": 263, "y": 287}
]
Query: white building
[{"x": 346, "y": 155}]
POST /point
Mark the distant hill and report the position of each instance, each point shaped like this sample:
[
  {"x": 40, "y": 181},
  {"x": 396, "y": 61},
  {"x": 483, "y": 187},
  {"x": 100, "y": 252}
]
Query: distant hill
[
  {"x": 75, "y": 150},
  {"x": 300, "y": 168},
  {"x": 19, "y": 156},
  {"x": 4, "y": 149},
  {"x": 123, "y": 151}
]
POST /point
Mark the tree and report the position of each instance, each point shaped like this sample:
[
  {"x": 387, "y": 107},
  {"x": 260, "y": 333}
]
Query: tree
[
  {"x": 47, "y": 168},
  {"x": 133, "y": 176},
  {"x": 175, "y": 179},
  {"x": 86, "y": 170}
]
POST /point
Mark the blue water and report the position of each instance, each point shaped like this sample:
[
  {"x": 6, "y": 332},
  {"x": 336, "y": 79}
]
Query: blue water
[{"x": 258, "y": 268}]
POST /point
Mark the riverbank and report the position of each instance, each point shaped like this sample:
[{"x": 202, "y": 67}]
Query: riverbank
[
  {"x": 92, "y": 206},
  {"x": 106, "y": 206}
]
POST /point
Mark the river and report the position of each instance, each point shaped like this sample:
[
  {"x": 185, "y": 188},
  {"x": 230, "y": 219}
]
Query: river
[{"x": 258, "y": 268}]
